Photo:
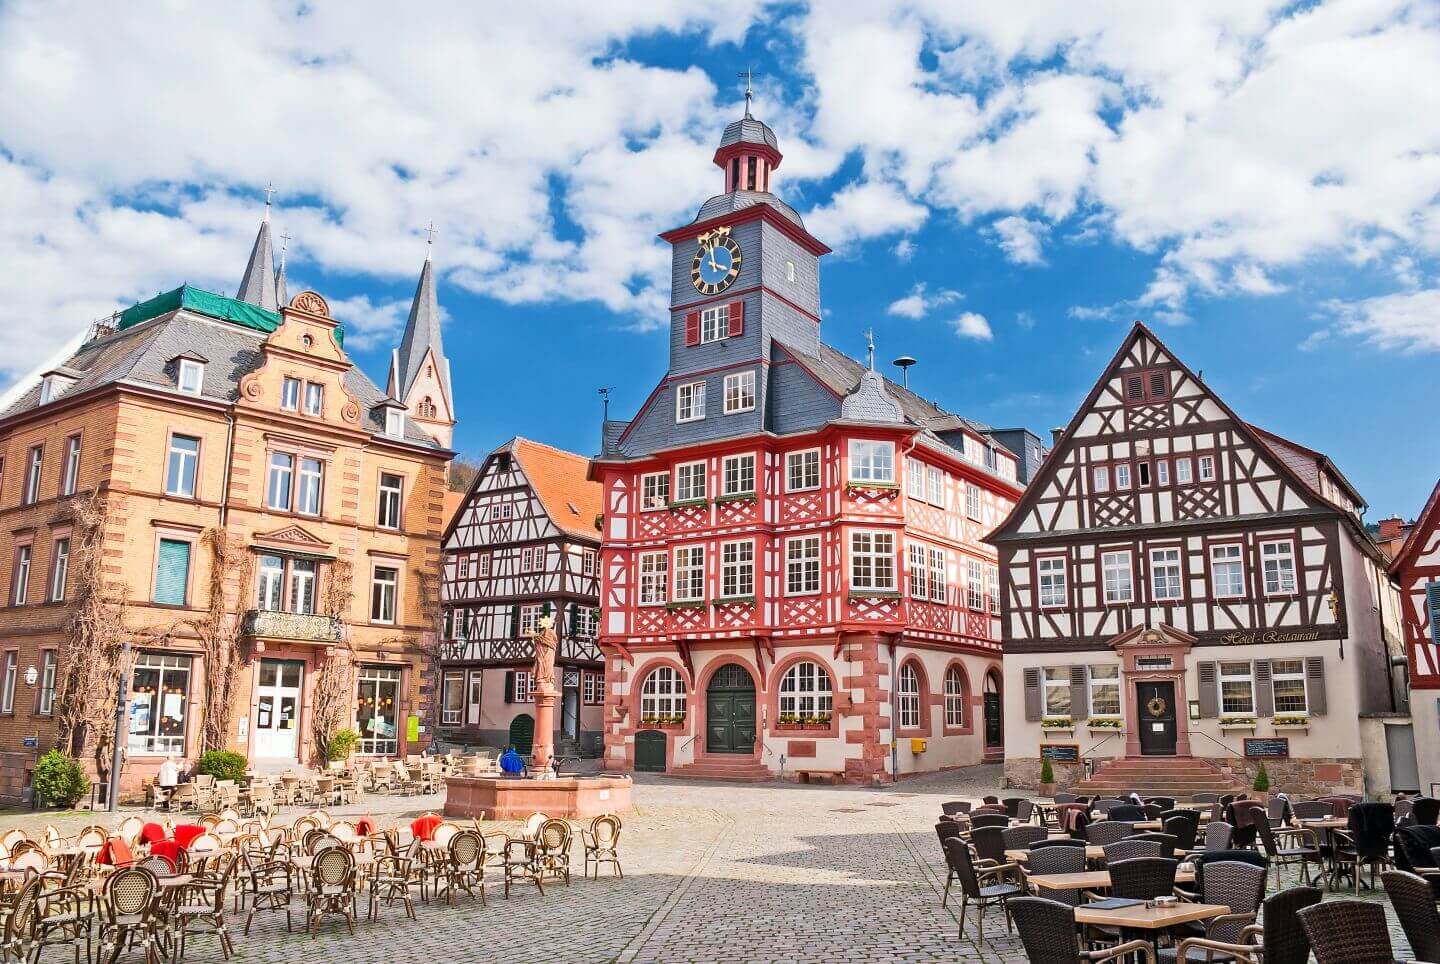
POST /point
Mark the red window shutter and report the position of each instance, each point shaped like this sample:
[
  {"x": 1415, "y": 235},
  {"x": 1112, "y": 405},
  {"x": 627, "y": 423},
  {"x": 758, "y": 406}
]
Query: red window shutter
[
  {"x": 692, "y": 328},
  {"x": 737, "y": 319}
]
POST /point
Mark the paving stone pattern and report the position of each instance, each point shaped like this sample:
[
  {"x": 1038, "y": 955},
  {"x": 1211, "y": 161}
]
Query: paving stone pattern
[{"x": 714, "y": 872}]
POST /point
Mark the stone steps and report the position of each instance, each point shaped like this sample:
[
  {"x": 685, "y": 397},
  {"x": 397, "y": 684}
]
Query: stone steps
[
  {"x": 1178, "y": 777},
  {"x": 740, "y": 770}
]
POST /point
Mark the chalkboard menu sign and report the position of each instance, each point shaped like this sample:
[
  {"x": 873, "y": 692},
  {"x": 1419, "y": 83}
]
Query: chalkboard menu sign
[
  {"x": 1277, "y": 747},
  {"x": 1060, "y": 752}
]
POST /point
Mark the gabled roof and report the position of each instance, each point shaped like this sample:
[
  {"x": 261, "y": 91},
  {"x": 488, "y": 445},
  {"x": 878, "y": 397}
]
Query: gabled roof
[
  {"x": 1308, "y": 463},
  {"x": 558, "y": 478},
  {"x": 422, "y": 335},
  {"x": 1428, "y": 521}
]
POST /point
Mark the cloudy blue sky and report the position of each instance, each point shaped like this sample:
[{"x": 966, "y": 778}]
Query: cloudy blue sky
[{"x": 1006, "y": 186}]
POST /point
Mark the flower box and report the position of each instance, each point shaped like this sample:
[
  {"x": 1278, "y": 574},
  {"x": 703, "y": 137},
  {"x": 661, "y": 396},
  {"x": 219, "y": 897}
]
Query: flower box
[
  {"x": 663, "y": 723},
  {"x": 869, "y": 594},
  {"x": 688, "y": 504},
  {"x": 1237, "y": 724},
  {"x": 737, "y": 497},
  {"x": 799, "y": 727},
  {"x": 695, "y": 604},
  {"x": 877, "y": 486},
  {"x": 734, "y": 601}
]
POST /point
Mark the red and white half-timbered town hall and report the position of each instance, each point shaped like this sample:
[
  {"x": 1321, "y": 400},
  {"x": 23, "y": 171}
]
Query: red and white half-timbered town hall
[
  {"x": 794, "y": 580},
  {"x": 1416, "y": 570}
]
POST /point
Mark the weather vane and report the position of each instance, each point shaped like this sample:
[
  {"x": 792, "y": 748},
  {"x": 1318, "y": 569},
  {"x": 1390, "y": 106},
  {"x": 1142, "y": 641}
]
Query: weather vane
[
  {"x": 870, "y": 347},
  {"x": 748, "y": 76}
]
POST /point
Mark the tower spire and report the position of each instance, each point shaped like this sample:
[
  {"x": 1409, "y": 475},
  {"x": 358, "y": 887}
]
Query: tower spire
[
  {"x": 748, "y": 75},
  {"x": 257, "y": 285},
  {"x": 282, "y": 296},
  {"x": 419, "y": 370}
]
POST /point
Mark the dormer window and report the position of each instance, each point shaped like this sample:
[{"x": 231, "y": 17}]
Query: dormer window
[
  {"x": 190, "y": 377},
  {"x": 53, "y": 385},
  {"x": 395, "y": 422}
]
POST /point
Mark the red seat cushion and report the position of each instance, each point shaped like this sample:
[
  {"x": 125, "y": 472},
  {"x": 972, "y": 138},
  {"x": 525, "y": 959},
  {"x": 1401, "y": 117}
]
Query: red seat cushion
[
  {"x": 168, "y": 849},
  {"x": 364, "y": 827},
  {"x": 185, "y": 833},
  {"x": 152, "y": 833},
  {"x": 424, "y": 828}
]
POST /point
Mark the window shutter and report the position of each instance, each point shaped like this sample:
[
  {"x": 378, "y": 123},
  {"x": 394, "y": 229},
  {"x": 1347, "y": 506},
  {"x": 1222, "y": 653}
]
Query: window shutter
[
  {"x": 1264, "y": 689},
  {"x": 1032, "y": 694},
  {"x": 1079, "y": 698},
  {"x": 737, "y": 319},
  {"x": 1315, "y": 684},
  {"x": 1432, "y": 598},
  {"x": 172, "y": 567},
  {"x": 692, "y": 329},
  {"x": 1209, "y": 695},
  {"x": 509, "y": 686},
  {"x": 1134, "y": 388},
  {"x": 515, "y": 621}
]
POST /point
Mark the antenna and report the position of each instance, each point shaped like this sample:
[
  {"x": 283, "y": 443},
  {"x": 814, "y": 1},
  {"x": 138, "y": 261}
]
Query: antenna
[
  {"x": 605, "y": 401},
  {"x": 748, "y": 76},
  {"x": 903, "y": 363}
]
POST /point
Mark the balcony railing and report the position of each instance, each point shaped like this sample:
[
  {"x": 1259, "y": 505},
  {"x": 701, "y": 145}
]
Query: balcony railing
[{"x": 299, "y": 627}]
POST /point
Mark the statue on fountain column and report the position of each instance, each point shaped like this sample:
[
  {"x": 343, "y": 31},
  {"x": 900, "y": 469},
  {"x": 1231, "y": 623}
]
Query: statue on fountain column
[{"x": 546, "y": 645}]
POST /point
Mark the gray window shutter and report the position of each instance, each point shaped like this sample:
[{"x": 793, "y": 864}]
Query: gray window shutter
[
  {"x": 1264, "y": 689},
  {"x": 515, "y": 621},
  {"x": 1315, "y": 684},
  {"x": 1432, "y": 600},
  {"x": 1032, "y": 694},
  {"x": 509, "y": 686},
  {"x": 1079, "y": 696},
  {"x": 1209, "y": 695}
]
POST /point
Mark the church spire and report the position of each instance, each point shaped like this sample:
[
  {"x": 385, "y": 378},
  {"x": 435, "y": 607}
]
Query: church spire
[
  {"x": 282, "y": 296},
  {"x": 257, "y": 286},
  {"x": 419, "y": 370}
]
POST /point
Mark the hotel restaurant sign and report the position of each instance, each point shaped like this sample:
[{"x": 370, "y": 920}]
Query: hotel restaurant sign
[{"x": 1270, "y": 636}]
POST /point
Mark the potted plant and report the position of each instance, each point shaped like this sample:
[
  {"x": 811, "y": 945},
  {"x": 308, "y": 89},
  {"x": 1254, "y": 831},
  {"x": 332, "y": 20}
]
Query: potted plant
[
  {"x": 59, "y": 780},
  {"x": 339, "y": 746},
  {"x": 1261, "y": 785},
  {"x": 1047, "y": 778},
  {"x": 1291, "y": 721},
  {"x": 1237, "y": 723}
]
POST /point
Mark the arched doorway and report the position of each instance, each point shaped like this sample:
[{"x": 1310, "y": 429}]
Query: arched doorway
[
  {"x": 994, "y": 729},
  {"x": 522, "y": 734},
  {"x": 650, "y": 751},
  {"x": 730, "y": 711}
]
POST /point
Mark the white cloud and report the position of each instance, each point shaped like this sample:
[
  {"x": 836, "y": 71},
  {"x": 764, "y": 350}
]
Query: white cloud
[
  {"x": 1025, "y": 320},
  {"x": 972, "y": 325},
  {"x": 864, "y": 210},
  {"x": 371, "y": 324},
  {"x": 919, "y": 302},
  {"x": 1021, "y": 239},
  {"x": 1407, "y": 321},
  {"x": 904, "y": 249}
]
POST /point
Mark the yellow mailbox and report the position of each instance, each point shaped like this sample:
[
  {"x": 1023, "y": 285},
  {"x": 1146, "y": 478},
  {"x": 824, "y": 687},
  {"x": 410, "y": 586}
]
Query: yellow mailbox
[{"x": 917, "y": 745}]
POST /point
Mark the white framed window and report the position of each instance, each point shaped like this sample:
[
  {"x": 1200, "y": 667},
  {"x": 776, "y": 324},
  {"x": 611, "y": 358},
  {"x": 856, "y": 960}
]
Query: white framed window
[
  {"x": 992, "y": 588},
  {"x": 1122, "y": 476},
  {"x": 1278, "y": 559},
  {"x": 532, "y": 558},
  {"x": 1116, "y": 574},
  {"x": 954, "y": 697},
  {"x": 1287, "y": 676},
  {"x": 59, "y": 569},
  {"x": 972, "y": 500},
  {"x": 290, "y": 394},
  {"x": 690, "y": 482},
  {"x": 739, "y": 392},
  {"x": 452, "y": 698},
  {"x": 20, "y": 584},
  {"x": 271, "y": 582},
  {"x": 737, "y": 569},
  {"x": 191, "y": 377},
  {"x": 314, "y": 398},
  {"x": 872, "y": 461},
  {"x": 502, "y": 512},
  {"x": 1057, "y": 691},
  {"x": 909, "y": 697},
  {"x": 805, "y": 691},
  {"x": 1050, "y": 575},
  {"x": 802, "y": 470},
  {"x": 1162, "y": 472},
  {"x": 1182, "y": 471},
  {"x": 918, "y": 573},
  {"x": 159, "y": 701},
  {"x": 1237, "y": 689},
  {"x": 589, "y": 558},
  {"x": 935, "y": 486},
  {"x": 387, "y": 511},
  {"x": 70, "y": 474},
  {"x": 937, "y": 575},
  {"x": 47, "y": 682},
  {"x": 802, "y": 566},
  {"x": 181, "y": 460},
  {"x": 1227, "y": 571},
  {"x": 689, "y": 573},
  {"x": 32, "y": 475},
  {"x": 384, "y": 586},
  {"x": 395, "y": 422},
  {"x": 654, "y": 575},
  {"x": 1105, "y": 690},
  {"x": 975, "y": 584},
  {"x": 587, "y": 622},
  {"x": 738, "y": 474},
  {"x": 663, "y": 694},
  {"x": 7, "y": 695},
  {"x": 308, "y": 488},
  {"x": 524, "y": 686},
  {"x": 592, "y": 689},
  {"x": 690, "y": 402},
  {"x": 1165, "y": 578},
  {"x": 914, "y": 478},
  {"x": 1206, "y": 465},
  {"x": 303, "y": 575},
  {"x": 462, "y": 567},
  {"x": 1102, "y": 478},
  {"x": 872, "y": 560},
  {"x": 654, "y": 490},
  {"x": 482, "y": 564},
  {"x": 529, "y": 623},
  {"x": 714, "y": 323},
  {"x": 280, "y": 481}
]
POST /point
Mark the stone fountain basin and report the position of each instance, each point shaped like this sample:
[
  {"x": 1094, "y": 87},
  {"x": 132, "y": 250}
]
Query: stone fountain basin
[{"x": 505, "y": 798}]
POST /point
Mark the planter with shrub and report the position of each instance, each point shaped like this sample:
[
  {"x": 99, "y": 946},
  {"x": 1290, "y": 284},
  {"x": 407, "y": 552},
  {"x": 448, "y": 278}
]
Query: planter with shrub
[
  {"x": 1047, "y": 778},
  {"x": 223, "y": 765},
  {"x": 59, "y": 780},
  {"x": 339, "y": 745}
]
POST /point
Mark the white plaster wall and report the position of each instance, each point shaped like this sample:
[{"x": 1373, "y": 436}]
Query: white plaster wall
[{"x": 1425, "y": 715}]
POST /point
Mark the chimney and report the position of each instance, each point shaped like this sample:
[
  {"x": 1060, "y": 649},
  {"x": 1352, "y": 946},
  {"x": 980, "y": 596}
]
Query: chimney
[
  {"x": 1392, "y": 528},
  {"x": 1055, "y": 434}
]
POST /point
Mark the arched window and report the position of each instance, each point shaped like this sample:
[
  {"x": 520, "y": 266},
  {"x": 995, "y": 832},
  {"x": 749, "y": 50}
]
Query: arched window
[
  {"x": 805, "y": 692},
  {"x": 427, "y": 408},
  {"x": 663, "y": 695},
  {"x": 909, "y": 697},
  {"x": 954, "y": 697}
]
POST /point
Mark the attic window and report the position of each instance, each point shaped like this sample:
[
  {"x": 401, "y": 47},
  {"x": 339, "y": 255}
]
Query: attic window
[
  {"x": 1146, "y": 386},
  {"x": 190, "y": 376},
  {"x": 53, "y": 386},
  {"x": 395, "y": 422}
]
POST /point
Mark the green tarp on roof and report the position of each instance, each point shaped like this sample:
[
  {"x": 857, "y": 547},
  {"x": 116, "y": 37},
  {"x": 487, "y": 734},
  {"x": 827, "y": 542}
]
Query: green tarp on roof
[{"x": 206, "y": 303}]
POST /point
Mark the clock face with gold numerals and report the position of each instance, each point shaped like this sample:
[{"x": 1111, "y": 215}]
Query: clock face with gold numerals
[{"x": 717, "y": 262}]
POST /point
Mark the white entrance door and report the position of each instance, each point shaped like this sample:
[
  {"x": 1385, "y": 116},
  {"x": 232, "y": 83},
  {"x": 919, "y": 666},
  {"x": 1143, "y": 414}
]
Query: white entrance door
[
  {"x": 473, "y": 706},
  {"x": 277, "y": 710}
]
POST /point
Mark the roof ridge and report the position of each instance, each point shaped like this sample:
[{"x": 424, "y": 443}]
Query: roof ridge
[{"x": 547, "y": 445}]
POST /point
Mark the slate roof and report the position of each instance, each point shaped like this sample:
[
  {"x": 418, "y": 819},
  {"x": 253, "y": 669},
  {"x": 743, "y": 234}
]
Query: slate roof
[
  {"x": 870, "y": 402},
  {"x": 422, "y": 332},
  {"x": 842, "y": 374},
  {"x": 748, "y": 130},
  {"x": 257, "y": 285},
  {"x": 559, "y": 480},
  {"x": 739, "y": 200}
]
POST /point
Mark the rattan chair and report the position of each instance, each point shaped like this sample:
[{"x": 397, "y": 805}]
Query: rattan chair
[
  {"x": 1414, "y": 903},
  {"x": 63, "y": 919},
  {"x": 1348, "y": 932},
  {"x": 979, "y": 820},
  {"x": 602, "y": 844},
  {"x": 1022, "y": 837},
  {"x": 1279, "y": 940},
  {"x": 1103, "y": 832},
  {"x": 17, "y": 938},
  {"x": 983, "y": 887},
  {"x": 520, "y": 863},
  {"x": 1130, "y": 848},
  {"x": 199, "y": 908},
  {"x": 1164, "y": 803},
  {"x": 1057, "y": 842},
  {"x": 464, "y": 867},
  {"x": 270, "y": 888},
  {"x": 1366, "y": 842},
  {"x": 1047, "y": 931},
  {"x": 1289, "y": 846},
  {"x": 1217, "y": 835},
  {"x": 989, "y": 844},
  {"x": 1105, "y": 804},
  {"x": 1184, "y": 826},
  {"x": 390, "y": 879},
  {"x": 1130, "y": 812},
  {"x": 1238, "y": 886},
  {"x": 1058, "y": 860},
  {"x": 953, "y": 807},
  {"x": 553, "y": 853},
  {"x": 1142, "y": 878},
  {"x": 128, "y": 906},
  {"x": 332, "y": 889}
]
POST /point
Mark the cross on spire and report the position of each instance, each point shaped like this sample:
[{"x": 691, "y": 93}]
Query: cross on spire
[
  {"x": 748, "y": 76},
  {"x": 284, "y": 243},
  {"x": 430, "y": 233},
  {"x": 269, "y": 193}
]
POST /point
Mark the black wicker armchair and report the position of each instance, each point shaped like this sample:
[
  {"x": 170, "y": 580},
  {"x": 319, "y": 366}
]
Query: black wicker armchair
[
  {"x": 983, "y": 887},
  {"x": 1280, "y": 940},
  {"x": 1348, "y": 932},
  {"x": 1047, "y": 930},
  {"x": 1414, "y": 904}
]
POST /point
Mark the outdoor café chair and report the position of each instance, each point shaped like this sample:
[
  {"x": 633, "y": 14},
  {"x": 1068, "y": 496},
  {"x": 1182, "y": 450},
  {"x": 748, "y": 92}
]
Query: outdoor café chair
[
  {"x": 1347, "y": 932},
  {"x": 1280, "y": 939},
  {"x": 1217, "y": 835},
  {"x": 1289, "y": 846},
  {"x": 1366, "y": 842},
  {"x": 199, "y": 908},
  {"x": 1047, "y": 931},
  {"x": 391, "y": 878},
  {"x": 983, "y": 887},
  {"x": 1238, "y": 886},
  {"x": 62, "y": 918},
  {"x": 1414, "y": 904},
  {"x": 463, "y": 867},
  {"x": 332, "y": 889},
  {"x": 18, "y": 934},
  {"x": 129, "y": 911},
  {"x": 1058, "y": 860},
  {"x": 602, "y": 844},
  {"x": 1132, "y": 847},
  {"x": 1023, "y": 836},
  {"x": 989, "y": 844},
  {"x": 1103, "y": 832}
]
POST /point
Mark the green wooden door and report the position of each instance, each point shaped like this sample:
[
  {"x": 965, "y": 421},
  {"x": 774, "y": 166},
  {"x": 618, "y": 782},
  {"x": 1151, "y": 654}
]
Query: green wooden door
[
  {"x": 650, "y": 751},
  {"x": 730, "y": 711},
  {"x": 522, "y": 734}
]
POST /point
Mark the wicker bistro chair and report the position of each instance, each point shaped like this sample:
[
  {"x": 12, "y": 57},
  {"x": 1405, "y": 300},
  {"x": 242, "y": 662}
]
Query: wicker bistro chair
[
  {"x": 1132, "y": 847},
  {"x": 1347, "y": 932},
  {"x": 1103, "y": 832},
  {"x": 1281, "y": 939},
  {"x": 552, "y": 853},
  {"x": 129, "y": 907},
  {"x": 1217, "y": 835},
  {"x": 1290, "y": 846},
  {"x": 1049, "y": 842},
  {"x": 199, "y": 908},
  {"x": 1105, "y": 804},
  {"x": 1184, "y": 827},
  {"x": 1366, "y": 842},
  {"x": 463, "y": 868},
  {"x": 18, "y": 934},
  {"x": 271, "y": 887},
  {"x": 602, "y": 845},
  {"x": 1047, "y": 931},
  {"x": 1021, "y": 837},
  {"x": 983, "y": 887},
  {"x": 332, "y": 888},
  {"x": 1414, "y": 904},
  {"x": 988, "y": 820},
  {"x": 989, "y": 844},
  {"x": 1240, "y": 887},
  {"x": 1130, "y": 812},
  {"x": 62, "y": 918},
  {"x": 1143, "y": 878},
  {"x": 391, "y": 878},
  {"x": 953, "y": 807},
  {"x": 1058, "y": 860},
  {"x": 521, "y": 863}
]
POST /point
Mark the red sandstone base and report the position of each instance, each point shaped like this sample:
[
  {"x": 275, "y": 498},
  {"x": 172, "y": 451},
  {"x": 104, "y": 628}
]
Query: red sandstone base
[{"x": 568, "y": 797}]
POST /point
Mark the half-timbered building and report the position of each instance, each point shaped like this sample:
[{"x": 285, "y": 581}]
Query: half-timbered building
[
  {"x": 793, "y": 577},
  {"x": 1416, "y": 570},
  {"x": 1179, "y": 583},
  {"x": 524, "y": 542}
]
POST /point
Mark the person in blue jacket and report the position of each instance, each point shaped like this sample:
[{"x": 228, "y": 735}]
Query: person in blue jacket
[{"x": 511, "y": 762}]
